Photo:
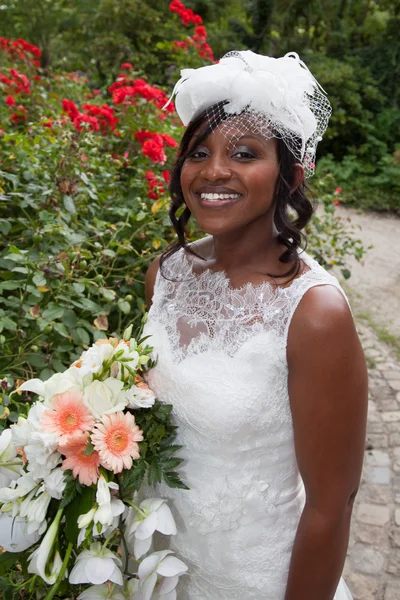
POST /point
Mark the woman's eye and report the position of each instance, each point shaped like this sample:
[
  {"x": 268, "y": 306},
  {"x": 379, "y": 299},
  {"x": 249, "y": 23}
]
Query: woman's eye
[
  {"x": 244, "y": 154},
  {"x": 198, "y": 154}
]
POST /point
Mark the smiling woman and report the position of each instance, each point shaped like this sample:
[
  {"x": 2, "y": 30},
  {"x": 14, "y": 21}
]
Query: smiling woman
[{"x": 257, "y": 349}]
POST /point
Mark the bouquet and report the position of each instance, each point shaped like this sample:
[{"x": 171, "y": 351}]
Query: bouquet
[{"x": 71, "y": 471}]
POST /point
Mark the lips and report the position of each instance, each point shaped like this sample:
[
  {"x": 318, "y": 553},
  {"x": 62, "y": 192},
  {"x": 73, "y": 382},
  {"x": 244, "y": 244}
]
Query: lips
[{"x": 217, "y": 197}]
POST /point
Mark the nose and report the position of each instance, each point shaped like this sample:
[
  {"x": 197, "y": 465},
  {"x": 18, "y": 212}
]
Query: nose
[{"x": 216, "y": 168}]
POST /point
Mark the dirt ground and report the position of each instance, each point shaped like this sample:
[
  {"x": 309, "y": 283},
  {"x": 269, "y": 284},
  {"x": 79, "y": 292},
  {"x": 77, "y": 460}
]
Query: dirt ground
[{"x": 375, "y": 285}]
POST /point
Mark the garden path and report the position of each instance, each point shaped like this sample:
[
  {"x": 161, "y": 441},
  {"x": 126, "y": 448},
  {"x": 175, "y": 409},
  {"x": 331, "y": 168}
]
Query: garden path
[{"x": 372, "y": 568}]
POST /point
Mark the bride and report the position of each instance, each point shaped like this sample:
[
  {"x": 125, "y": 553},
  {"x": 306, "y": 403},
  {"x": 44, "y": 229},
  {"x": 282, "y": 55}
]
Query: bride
[{"x": 257, "y": 349}]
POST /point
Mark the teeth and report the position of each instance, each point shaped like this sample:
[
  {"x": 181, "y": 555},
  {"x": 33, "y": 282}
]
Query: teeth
[{"x": 216, "y": 197}]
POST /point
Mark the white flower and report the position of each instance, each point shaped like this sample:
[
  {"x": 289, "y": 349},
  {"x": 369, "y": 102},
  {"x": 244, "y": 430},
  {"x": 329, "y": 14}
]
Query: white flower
[
  {"x": 156, "y": 565},
  {"x": 96, "y": 566},
  {"x": 129, "y": 354},
  {"x": 108, "y": 507},
  {"x": 41, "y": 447},
  {"x": 14, "y": 536},
  {"x": 21, "y": 432},
  {"x": 10, "y": 464},
  {"x": 55, "y": 483},
  {"x": 18, "y": 489},
  {"x": 140, "y": 396},
  {"x": 58, "y": 383},
  {"x": 104, "y": 397},
  {"x": 39, "y": 563},
  {"x": 154, "y": 515},
  {"x": 96, "y": 592},
  {"x": 34, "y": 509},
  {"x": 92, "y": 360}
]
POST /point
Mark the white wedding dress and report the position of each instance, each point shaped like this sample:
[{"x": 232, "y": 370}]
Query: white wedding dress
[{"x": 222, "y": 365}]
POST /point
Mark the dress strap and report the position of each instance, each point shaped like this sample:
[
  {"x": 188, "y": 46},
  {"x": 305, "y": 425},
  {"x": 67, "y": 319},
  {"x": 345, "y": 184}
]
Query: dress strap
[{"x": 316, "y": 276}]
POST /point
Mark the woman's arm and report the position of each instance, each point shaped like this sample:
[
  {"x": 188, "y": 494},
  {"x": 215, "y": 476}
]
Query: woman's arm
[
  {"x": 328, "y": 396},
  {"x": 150, "y": 280}
]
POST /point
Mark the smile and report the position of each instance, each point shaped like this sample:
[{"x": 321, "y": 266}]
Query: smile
[{"x": 217, "y": 197}]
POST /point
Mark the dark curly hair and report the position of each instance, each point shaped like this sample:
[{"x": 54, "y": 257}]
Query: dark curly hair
[{"x": 289, "y": 228}]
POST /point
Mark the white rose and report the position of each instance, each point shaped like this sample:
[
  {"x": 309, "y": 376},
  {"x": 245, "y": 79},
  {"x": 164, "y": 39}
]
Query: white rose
[
  {"x": 104, "y": 397},
  {"x": 140, "y": 396}
]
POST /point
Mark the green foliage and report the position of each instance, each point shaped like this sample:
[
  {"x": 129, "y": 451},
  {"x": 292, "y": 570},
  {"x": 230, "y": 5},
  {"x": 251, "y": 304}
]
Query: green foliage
[
  {"x": 369, "y": 185},
  {"x": 332, "y": 239}
]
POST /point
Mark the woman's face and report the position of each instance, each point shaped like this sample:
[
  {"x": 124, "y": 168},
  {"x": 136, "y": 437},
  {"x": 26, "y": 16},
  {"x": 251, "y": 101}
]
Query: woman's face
[{"x": 228, "y": 186}]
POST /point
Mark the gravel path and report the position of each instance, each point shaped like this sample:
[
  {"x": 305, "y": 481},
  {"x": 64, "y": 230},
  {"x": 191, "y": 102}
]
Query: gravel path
[
  {"x": 372, "y": 568},
  {"x": 377, "y": 282}
]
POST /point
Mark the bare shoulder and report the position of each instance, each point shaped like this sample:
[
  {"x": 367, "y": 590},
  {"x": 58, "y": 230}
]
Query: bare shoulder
[
  {"x": 323, "y": 332},
  {"x": 322, "y": 308},
  {"x": 150, "y": 280}
]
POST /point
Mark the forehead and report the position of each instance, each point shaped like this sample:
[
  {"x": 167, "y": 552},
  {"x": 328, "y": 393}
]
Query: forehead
[{"x": 230, "y": 130}]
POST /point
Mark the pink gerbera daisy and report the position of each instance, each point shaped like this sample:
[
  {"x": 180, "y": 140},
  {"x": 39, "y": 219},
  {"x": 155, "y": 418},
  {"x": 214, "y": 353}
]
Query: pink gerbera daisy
[
  {"x": 115, "y": 439},
  {"x": 83, "y": 465},
  {"x": 69, "y": 417}
]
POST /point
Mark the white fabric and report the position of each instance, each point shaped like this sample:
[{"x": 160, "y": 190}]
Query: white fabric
[{"x": 222, "y": 364}]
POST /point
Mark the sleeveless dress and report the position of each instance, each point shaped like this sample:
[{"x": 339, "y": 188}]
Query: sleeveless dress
[{"x": 222, "y": 365}]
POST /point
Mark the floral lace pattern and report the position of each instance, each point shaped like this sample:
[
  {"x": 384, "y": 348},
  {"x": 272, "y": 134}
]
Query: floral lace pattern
[{"x": 222, "y": 364}]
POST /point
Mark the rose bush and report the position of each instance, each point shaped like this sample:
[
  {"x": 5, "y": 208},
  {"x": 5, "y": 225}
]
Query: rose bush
[{"x": 83, "y": 208}]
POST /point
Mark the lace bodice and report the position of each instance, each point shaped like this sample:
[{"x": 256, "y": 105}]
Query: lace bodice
[{"x": 222, "y": 364}]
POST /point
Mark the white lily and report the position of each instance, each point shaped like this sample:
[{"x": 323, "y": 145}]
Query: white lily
[
  {"x": 19, "y": 488},
  {"x": 108, "y": 507},
  {"x": 104, "y": 397},
  {"x": 58, "y": 383},
  {"x": 155, "y": 567},
  {"x": 96, "y": 592},
  {"x": 39, "y": 563},
  {"x": 10, "y": 463},
  {"x": 34, "y": 509},
  {"x": 154, "y": 515},
  {"x": 55, "y": 483},
  {"x": 14, "y": 536},
  {"x": 96, "y": 566}
]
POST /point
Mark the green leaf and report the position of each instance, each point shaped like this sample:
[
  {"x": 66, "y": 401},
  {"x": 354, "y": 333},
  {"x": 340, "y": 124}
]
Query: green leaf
[
  {"x": 74, "y": 509},
  {"x": 78, "y": 287},
  {"x": 61, "y": 329},
  {"x": 53, "y": 312},
  {"x": 72, "y": 489},
  {"x": 346, "y": 273},
  {"x": 109, "y": 295},
  {"x": 38, "y": 279},
  {"x": 10, "y": 285},
  {"x": 69, "y": 318},
  {"x": 81, "y": 336},
  {"x": 8, "y": 323},
  {"x": 69, "y": 204},
  {"x": 7, "y": 561},
  {"x": 5, "y": 226},
  {"x": 173, "y": 480},
  {"x": 36, "y": 360},
  {"x": 124, "y": 307},
  {"x": 133, "y": 479}
]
